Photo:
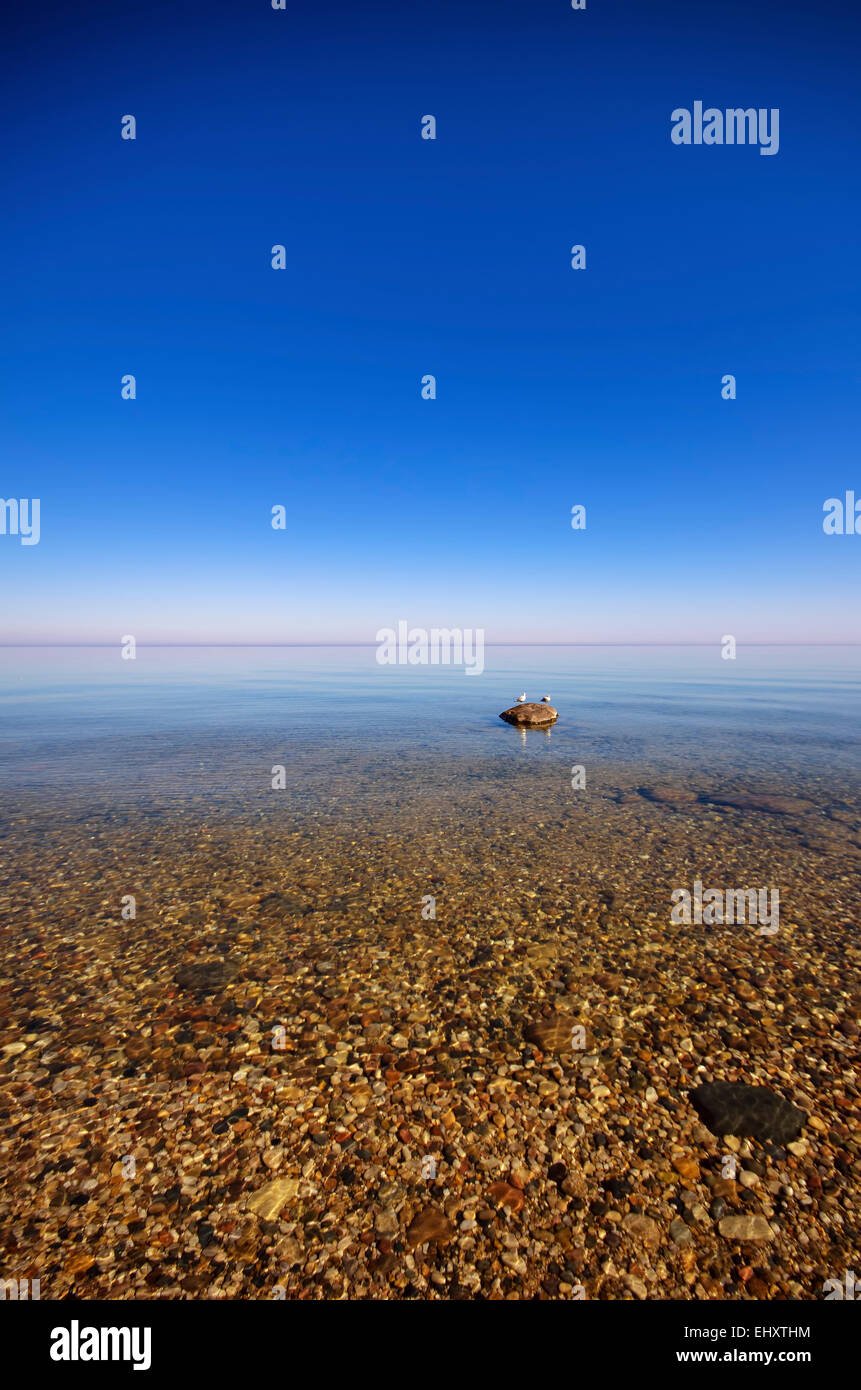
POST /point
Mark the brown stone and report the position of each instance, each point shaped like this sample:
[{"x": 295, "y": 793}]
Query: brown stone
[
  {"x": 531, "y": 715},
  {"x": 726, "y": 1188},
  {"x": 643, "y": 1229},
  {"x": 505, "y": 1195},
  {"x": 429, "y": 1224},
  {"x": 554, "y": 1034},
  {"x": 268, "y": 1201},
  {"x": 687, "y": 1168},
  {"x": 744, "y": 1229}
]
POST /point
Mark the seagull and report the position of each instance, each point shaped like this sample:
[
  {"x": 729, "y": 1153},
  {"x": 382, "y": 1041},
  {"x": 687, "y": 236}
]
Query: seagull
[
  {"x": 545, "y": 699},
  {"x": 521, "y": 698}
]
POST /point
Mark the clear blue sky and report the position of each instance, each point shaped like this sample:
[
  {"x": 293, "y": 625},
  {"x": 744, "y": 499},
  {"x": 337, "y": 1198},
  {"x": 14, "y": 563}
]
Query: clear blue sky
[{"x": 405, "y": 257}]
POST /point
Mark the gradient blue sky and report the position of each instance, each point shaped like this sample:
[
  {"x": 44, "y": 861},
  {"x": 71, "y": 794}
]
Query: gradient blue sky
[{"x": 405, "y": 257}]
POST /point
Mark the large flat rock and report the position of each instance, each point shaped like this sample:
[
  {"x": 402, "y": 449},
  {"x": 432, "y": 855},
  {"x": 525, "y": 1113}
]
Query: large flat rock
[
  {"x": 530, "y": 716},
  {"x": 733, "y": 1107}
]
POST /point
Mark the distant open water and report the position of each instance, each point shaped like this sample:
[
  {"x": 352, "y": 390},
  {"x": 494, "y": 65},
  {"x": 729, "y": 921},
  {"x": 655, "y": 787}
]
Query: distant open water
[{"x": 176, "y": 720}]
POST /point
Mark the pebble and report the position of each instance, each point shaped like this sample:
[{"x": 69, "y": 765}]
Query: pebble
[
  {"x": 268, "y": 1201},
  {"x": 688, "y": 1168},
  {"x": 429, "y": 1225},
  {"x": 643, "y": 1229},
  {"x": 386, "y": 1223},
  {"x": 680, "y": 1234},
  {"x": 506, "y": 1195},
  {"x": 745, "y": 1228},
  {"x": 636, "y": 1286}
]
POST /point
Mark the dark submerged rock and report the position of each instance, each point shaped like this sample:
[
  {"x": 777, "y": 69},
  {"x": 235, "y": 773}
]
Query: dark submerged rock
[
  {"x": 207, "y": 976},
  {"x": 733, "y": 1107},
  {"x": 669, "y": 796},
  {"x": 749, "y": 801}
]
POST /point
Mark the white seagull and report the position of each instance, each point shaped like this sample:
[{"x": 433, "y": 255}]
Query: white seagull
[
  {"x": 545, "y": 699},
  {"x": 521, "y": 698}
]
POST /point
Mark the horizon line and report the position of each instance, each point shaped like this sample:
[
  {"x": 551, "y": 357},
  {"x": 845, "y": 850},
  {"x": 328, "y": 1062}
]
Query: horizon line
[{"x": 28, "y": 646}]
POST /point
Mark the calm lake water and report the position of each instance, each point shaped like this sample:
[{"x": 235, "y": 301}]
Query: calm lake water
[
  {"x": 425, "y": 891},
  {"x": 178, "y": 719}
]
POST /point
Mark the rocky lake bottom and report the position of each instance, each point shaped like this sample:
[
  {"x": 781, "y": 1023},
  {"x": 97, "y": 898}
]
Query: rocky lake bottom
[{"x": 419, "y": 1027}]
